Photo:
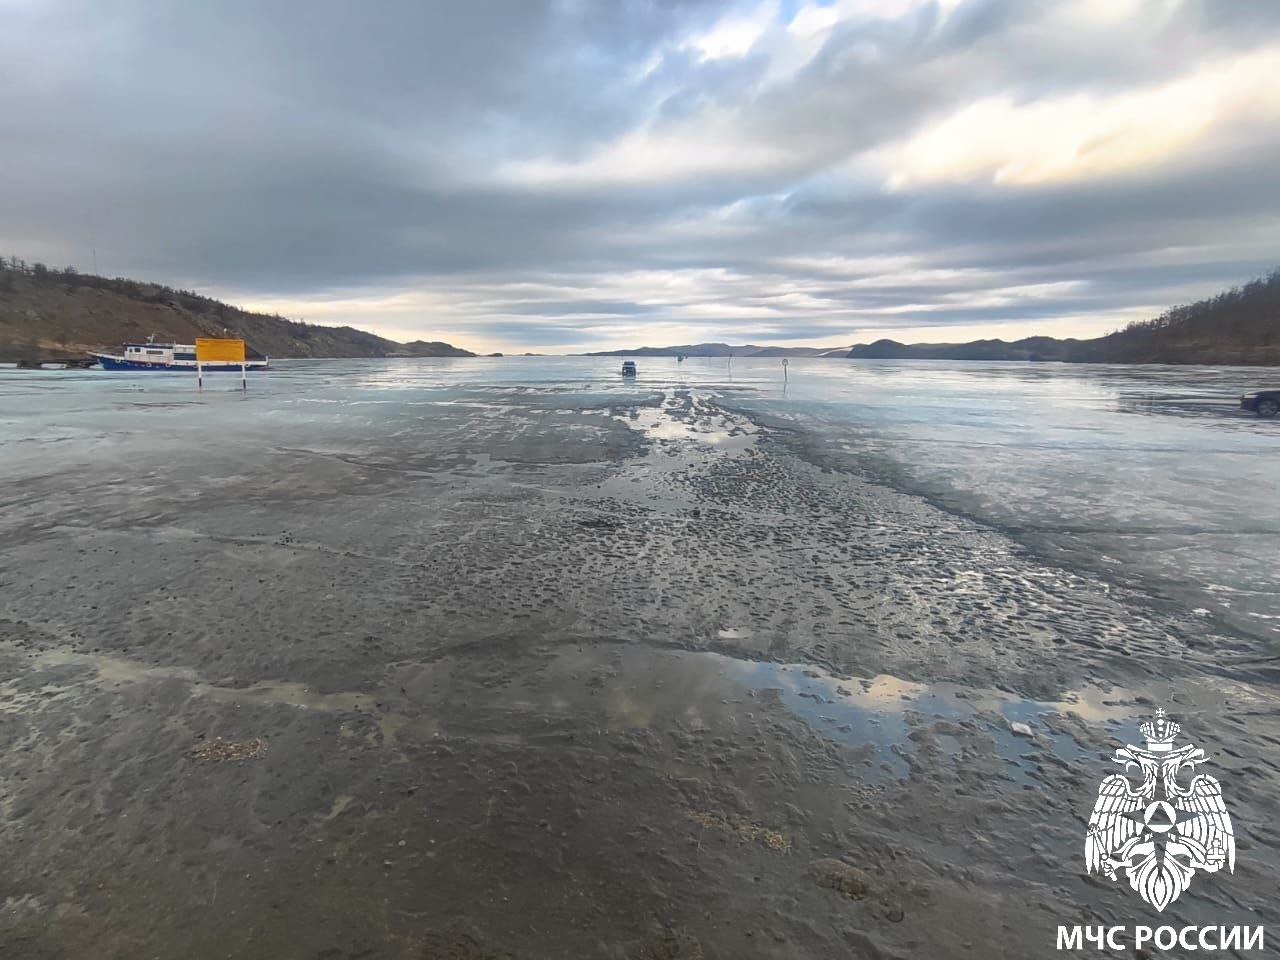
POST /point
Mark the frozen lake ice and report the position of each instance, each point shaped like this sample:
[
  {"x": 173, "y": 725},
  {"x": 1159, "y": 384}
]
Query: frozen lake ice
[
  {"x": 1148, "y": 475},
  {"x": 454, "y": 624}
]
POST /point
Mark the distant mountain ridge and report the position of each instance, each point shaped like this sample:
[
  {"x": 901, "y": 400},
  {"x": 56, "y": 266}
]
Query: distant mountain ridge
[
  {"x": 1238, "y": 327},
  {"x": 1028, "y": 348},
  {"x": 48, "y": 313},
  {"x": 722, "y": 350}
]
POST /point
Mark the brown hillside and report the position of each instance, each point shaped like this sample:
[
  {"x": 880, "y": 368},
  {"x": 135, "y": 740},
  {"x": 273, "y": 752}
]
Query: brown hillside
[
  {"x": 1238, "y": 327},
  {"x": 46, "y": 314}
]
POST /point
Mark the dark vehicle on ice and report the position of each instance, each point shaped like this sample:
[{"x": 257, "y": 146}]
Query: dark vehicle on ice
[
  {"x": 628, "y": 368},
  {"x": 1265, "y": 403}
]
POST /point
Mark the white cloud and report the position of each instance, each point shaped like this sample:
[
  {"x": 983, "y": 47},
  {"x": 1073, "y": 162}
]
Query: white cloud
[
  {"x": 1086, "y": 136},
  {"x": 1109, "y": 13},
  {"x": 710, "y": 143},
  {"x": 734, "y": 36},
  {"x": 815, "y": 18}
]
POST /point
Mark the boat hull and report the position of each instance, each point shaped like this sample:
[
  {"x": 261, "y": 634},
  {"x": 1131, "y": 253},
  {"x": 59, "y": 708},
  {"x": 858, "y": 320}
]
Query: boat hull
[{"x": 110, "y": 362}]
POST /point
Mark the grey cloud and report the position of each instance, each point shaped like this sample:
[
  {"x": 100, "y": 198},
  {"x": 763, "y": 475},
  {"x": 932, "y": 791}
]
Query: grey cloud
[
  {"x": 555, "y": 308},
  {"x": 292, "y": 150},
  {"x": 529, "y": 335}
]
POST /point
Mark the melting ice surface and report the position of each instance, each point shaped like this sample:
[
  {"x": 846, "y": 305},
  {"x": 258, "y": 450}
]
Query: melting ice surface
[
  {"x": 1147, "y": 473},
  {"x": 883, "y": 711},
  {"x": 879, "y": 718},
  {"x": 1150, "y": 474}
]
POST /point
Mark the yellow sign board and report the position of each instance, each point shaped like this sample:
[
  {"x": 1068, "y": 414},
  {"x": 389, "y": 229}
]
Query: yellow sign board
[{"x": 210, "y": 350}]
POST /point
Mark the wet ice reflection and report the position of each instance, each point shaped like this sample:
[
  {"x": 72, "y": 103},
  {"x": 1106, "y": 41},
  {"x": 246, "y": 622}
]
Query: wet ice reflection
[{"x": 879, "y": 718}]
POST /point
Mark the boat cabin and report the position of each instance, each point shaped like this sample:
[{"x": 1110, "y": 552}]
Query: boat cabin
[{"x": 159, "y": 352}]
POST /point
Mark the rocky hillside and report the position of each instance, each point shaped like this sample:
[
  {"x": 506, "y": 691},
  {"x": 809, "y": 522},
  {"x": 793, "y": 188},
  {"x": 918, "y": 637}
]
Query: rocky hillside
[
  {"x": 1240, "y": 326},
  {"x": 48, "y": 313}
]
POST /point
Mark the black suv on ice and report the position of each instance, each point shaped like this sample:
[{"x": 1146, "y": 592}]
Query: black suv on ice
[{"x": 1265, "y": 403}]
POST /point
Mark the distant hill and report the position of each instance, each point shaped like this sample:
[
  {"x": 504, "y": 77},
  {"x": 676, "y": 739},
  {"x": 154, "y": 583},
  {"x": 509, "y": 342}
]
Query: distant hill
[
  {"x": 48, "y": 313},
  {"x": 1240, "y": 326},
  {"x": 722, "y": 350},
  {"x": 1029, "y": 348}
]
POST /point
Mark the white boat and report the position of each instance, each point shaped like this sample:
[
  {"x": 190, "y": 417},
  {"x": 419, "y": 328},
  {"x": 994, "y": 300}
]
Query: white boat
[{"x": 167, "y": 356}]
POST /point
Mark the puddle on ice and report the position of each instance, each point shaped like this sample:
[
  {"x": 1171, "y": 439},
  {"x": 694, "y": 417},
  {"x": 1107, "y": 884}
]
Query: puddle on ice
[
  {"x": 698, "y": 425},
  {"x": 289, "y": 694},
  {"x": 889, "y": 722},
  {"x": 884, "y": 711},
  {"x": 113, "y": 671},
  {"x": 638, "y": 686}
]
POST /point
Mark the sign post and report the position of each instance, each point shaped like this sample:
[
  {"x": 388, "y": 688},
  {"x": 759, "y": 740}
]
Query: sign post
[{"x": 216, "y": 350}]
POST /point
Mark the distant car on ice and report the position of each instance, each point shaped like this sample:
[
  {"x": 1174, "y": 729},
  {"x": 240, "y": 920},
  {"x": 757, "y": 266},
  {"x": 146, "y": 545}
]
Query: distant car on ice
[
  {"x": 628, "y": 368},
  {"x": 1265, "y": 403}
]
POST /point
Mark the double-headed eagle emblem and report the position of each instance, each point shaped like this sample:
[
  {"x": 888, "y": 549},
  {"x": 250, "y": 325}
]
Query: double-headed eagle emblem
[{"x": 1160, "y": 832}]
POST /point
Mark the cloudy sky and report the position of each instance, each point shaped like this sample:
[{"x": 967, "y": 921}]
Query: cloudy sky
[{"x": 580, "y": 174}]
